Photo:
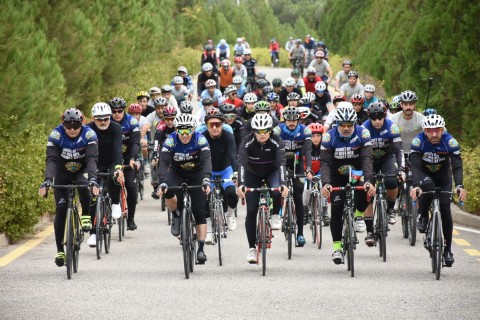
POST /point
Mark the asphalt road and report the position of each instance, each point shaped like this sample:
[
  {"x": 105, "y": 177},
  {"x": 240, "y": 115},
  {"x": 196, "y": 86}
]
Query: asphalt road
[{"x": 142, "y": 278}]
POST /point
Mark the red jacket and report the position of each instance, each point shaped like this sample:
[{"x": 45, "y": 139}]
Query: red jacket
[
  {"x": 310, "y": 86},
  {"x": 274, "y": 46}
]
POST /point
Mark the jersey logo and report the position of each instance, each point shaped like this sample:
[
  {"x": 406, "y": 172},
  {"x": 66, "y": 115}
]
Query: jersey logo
[
  {"x": 202, "y": 141},
  {"x": 394, "y": 129},
  {"x": 73, "y": 166},
  {"x": 89, "y": 134},
  {"x": 277, "y": 131},
  {"x": 169, "y": 142},
  {"x": 188, "y": 166},
  {"x": 365, "y": 134},
  {"x": 378, "y": 153},
  {"x": 326, "y": 137},
  {"x": 434, "y": 167},
  {"x": 416, "y": 142},
  {"x": 133, "y": 121},
  {"x": 55, "y": 135},
  {"x": 453, "y": 143},
  {"x": 307, "y": 131}
]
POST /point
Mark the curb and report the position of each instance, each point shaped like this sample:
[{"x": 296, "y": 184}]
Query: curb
[
  {"x": 464, "y": 218},
  {"x": 43, "y": 221}
]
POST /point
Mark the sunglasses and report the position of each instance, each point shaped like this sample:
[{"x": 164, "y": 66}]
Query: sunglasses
[
  {"x": 433, "y": 130},
  {"x": 72, "y": 125},
  {"x": 212, "y": 125},
  {"x": 184, "y": 131},
  {"x": 346, "y": 124},
  {"x": 117, "y": 111},
  {"x": 233, "y": 93},
  {"x": 102, "y": 119},
  {"x": 377, "y": 116},
  {"x": 230, "y": 116},
  {"x": 261, "y": 131}
]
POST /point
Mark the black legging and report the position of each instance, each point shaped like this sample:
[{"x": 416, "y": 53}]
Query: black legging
[
  {"x": 230, "y": 199},
  {"x": 131, "y": 186},
  {"x": 298, "y": 187}
]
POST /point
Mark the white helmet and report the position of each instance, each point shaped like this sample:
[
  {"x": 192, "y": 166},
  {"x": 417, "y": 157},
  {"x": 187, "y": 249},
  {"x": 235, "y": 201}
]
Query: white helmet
[
  {"x": 237, "y": 80},
  {"x": 184, "y": 120},
  {"x": 250, "y": 98},
  {"x": 207, "y": 66},
  {"x": 101, "y": 109},
  {"x": 225, "y": 63},
  {"x": 186, "y": 107},
  {"x": 262, "y": 121},
  {"x": 311, "y": 70},
  {"x": 230, "y": 89},
  {"x": 433, "y": 121},
  {"x": 289, "y": 82},
  {"x": 177, "y": 80},
  {"x": 210, "y": 83},
  {"x": 182, "y": 69},
  {"x": 345, "y": 112},
  {"x": 154, "y": 90},
  {"x": 310, "y": 96},
  {"x": 304, "y": 112},
  {"x": 319, "y": 54},
  {"x": 247, "y": 51},
  {"x": 222, "y": 41},
  {"x": 320, "y": 86},
  {"x": 369, "y": 88}
]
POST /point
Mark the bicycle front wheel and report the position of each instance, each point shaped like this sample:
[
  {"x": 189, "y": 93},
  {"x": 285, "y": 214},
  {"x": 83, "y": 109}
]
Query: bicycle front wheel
[
  {"x": 69, "y": 241},
  {"x": 412, "y": 212},
  {"x": 289, "y": 226},
  {"x": 193, "y": 242},
  {"x": 317, "y": 222},
  {"x": 438, "y": 245},
  {"x": 263, "y": 239},
  {"x": 78, "y": 237},
  {"x": 99, "y": 226},
  {"x": 108, "y": 222},
  {"x": 351, "y": 245},
  {"x": 382, "y": 230},
  {"x": 185, "y": 235},
  {"x": 402, "y": 209}
]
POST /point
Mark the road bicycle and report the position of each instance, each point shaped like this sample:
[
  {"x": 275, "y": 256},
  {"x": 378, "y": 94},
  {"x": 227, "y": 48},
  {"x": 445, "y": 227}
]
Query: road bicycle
[
  {"x": 298, "y": 65},
  {"x": 406, "y": 209},
  {"x": 316, "y": 203},
  {"x": 289, "y": 223},
  {"x": 103, "y": 216},
  {"x": 139, "y": 178},
  {"x": 122, "y": 221},
  {"x": 219, "y": 221}
]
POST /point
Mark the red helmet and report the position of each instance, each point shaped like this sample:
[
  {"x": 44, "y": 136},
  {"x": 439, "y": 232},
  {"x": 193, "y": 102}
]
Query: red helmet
[
  {"x": 338, "y": 98},
  {"x": 357, "y": 98},
  {"x": 134, "y": 108},
  {"x": 169, "y": 111},
  {"x": 238, "y": 59},
  {"x": 316, "y": 127}
]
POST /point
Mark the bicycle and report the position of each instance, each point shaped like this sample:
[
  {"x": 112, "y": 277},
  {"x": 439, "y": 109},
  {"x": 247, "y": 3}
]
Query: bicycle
[
  {"x": 251, "y": 85},
  {"x": 103, "y": 216},
  {"x": 188, "y": 234},
  {"x": 264, "y": 229},
  {"x": 122, "y": 221},
  {"x": 219, "y": 221},
  {"x": 139, "y": 178},
  {"x": 289, "y": 223},
  {"x": 313, "y": 215},
  {"x": 74, "y": 235},
  {"x": 298, "y": 65},
  {"x": 407, "y": 211},
  {"x": 433, "y": 239}
]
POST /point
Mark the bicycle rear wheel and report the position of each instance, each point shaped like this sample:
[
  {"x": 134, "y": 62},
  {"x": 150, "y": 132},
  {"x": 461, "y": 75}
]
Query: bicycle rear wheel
[
  {"x": 412, "y": 212},
  {"x": 317, "y": 222},
  {"x": 185, "y": 234},
  {"x": 438, "y": 245},
  {"x": 402, "y": 210},
  {"x": 263, "y": 237},
  {"x": 108, "y": 222},
  {"x": 382, "y": 230},
  {"x": 351, "y": 245},
  {"x": 69, "y": 244},
  {"x": 288, "y": 227},
  {"x": 163, "y": 207},
  {"x": 218, "y": 230},
  {"x": 78, "y": 238},
  {"x": 99, "y": 226}
]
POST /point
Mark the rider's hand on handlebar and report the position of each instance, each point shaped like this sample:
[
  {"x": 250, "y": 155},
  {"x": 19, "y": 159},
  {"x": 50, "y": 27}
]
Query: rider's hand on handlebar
[
  {"x": 47, "y": 184},
  {"x": 284, "y": 191},
  {"x": 462, "y": 194},
  {"x": 370, "y": 189},
  {"x": 94, "y": 187},
  {"x": 162, "y": 189},
  {"x": 415, "y": 193},
  {"x": 240, "y": 192},
  {"x": 402, "y": 176},
  {"x": 309, "y": 174},
  {"x": 206, "y": 185},
  {"x": 326, "y": 190},
  {"x": 143, "y": 143},
  {"x": 119, "y": 176}
]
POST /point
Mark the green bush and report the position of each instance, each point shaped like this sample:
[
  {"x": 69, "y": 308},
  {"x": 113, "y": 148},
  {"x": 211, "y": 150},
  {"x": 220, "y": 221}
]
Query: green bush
[
  {"x": 22, "y": 164},
  {"x": 471, "y": 176},
  {"x": 262, "y": 55}
]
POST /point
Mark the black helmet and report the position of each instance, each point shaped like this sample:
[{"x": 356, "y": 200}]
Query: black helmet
[
  {"x": 228, "y": 108},
  {"x": 118, "y": 102},
  {"x": 277, "y": 82},
  {"x": 207, "y": 101},
  {"x": 261, "y": 83},
  {"x": 72, "y": 115},
  {"x": 266, "y": 90}
]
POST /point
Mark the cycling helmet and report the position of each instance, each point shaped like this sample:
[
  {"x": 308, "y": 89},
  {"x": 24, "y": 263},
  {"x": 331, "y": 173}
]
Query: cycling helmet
[
  {"x": 186, "y": 107},
  {"x": 261, "y": 75},
  {"x": 295, "y": 73},
  {"x": 272, "y": 96},
  {"x": 262, "y": 121},
  {"x": 214, "y": 113},
  {"x": 304, "y": 101},
  {"x": 169, "y": 111},
  {"x": 433, "y": 121},
  {"x": 100, "y": 109},
  {"x": 353, "y": 74},
  {"x": 395, "y": 105},
  {"x": 238, "y": 60},
  {"x": 320, "y": 86},
  {"x": 266, "y": 90},
  {"x": 223, "y": 41},
  {"x": 230, "y": 89},
  {"x": 357, "y": 98},
  {"x": 160, "y": 101},
  {"x": 262, "y": 106},
  {"x": 316, "y": 127},
  {"x": 250, "y": 98},
  {"x": 277, "y": 82},
  {"x": 290, "y": 113},
  {"x": 347, "y": 62},
  {"x": 385, "y": 103},
  {"x": 184, "y": 120},
  {"x": 72, "y": 115},
  {"x": 345, "y": 113},
  {"x": 210, "y": 83},
  {"x": 304, "y": 112},
  {"x": 247, "y": 51},
  {"x": 182, "y": 69},
  {"x": 407, "y": 96},
  {"x": 310, "y": 96},
  {"x": 167, "y": 88},
  {"x": 237, "y": 80},
  {"x": 208, "y": 47},
  {"x": 207, "y": 66},
  {"x": 429, "y": 111},
  {"x": 369, "y": 88},
  {"x": 227, "y": 108},
  {"x": 289, "y": 82},
  {"x": 298, "y": 41},
  {"x": 155, "y": 90},
  {"x": 142, "y": 94},
  {"x": 293, "y": 96},
  {"x": 208, "y": 101},
  {"x": 177, "y": 80},
  {"x": 319, "y": 54},
  {"x": 134, "y": 108},
  {"x": 261, "y": 83},
  {"x": 118, "y": 102},
  {"x": 225, "y": 63},
  {"x": 321, "y": 44},
  {"x": 338, "y": 98},
  {"x": 376, "y": 107},
  {"x": 311, "y": 70}
]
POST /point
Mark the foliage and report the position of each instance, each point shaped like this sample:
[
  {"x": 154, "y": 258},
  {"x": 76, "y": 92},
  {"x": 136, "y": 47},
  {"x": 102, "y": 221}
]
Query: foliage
[
  {"x": 20, "y": 176},
  {"x": 471, "y": 176}
]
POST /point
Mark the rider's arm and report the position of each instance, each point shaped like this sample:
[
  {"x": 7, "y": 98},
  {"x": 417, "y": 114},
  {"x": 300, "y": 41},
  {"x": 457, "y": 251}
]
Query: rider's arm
[
  {"x": 232, "y": 151},
  {"x": 307, "y": 152},
  {"x": 134, "y": 144},
  {"x": 326, "y": 159},
  {"x": 206, "y": 162},
  {"x": 416, "y": 167},
  {"x": 53, "y": 155},
  {"x": 166, "y": 158},
  {"x": 398, "y": 150},
  {"x": 457, "y": 168},
  {"x": 117, "y": 145},
  {"x": 329, "y": 70},
  {"x": 242, "y": 163},
  {"x": 367, "y": 161},
  {"x": 281, "y": 159},
  {"x": 91, "y": 157}
]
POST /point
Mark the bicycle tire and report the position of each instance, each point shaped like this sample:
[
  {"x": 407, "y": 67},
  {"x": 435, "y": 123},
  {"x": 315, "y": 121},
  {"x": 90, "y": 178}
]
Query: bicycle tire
[
  {"x": 439, "y": 246},
  {"x": 140, "y": 190},
  {"x": 169, "y": 217},
  {"x": 124, "y": 225},
  {"x": 383, "y": 230},
  {"x": 351, "y": 246},
  {"x": 318, "y": 222},
  {"x": 218, "y": 230},
  {"x": 78, "y": 239},
  {"x": 69, "y": 243},
  {"x": 289, "y": 230},
  {"x": 264, "y": 241},
  {"x": 107, "y": 232},
  {"x": 193, "y": 242},
  {"x": 412, "y": 220},
  {"x": 163, "y": 206},
  {"x": 120, "y": 222},
  {"x": 99, "y": 227},
  {"x": 402, "y": 208},
  {"x": 311, "y": 220},
  {"x": 185, "y": 243}
]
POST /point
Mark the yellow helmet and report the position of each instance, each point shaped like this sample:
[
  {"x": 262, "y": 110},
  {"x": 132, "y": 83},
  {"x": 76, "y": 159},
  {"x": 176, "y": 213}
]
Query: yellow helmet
[{"x": 142, "y": 94}]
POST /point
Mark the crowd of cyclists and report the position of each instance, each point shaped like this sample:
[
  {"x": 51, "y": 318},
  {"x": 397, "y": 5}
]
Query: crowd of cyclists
[{"x": 248, "y": 131}]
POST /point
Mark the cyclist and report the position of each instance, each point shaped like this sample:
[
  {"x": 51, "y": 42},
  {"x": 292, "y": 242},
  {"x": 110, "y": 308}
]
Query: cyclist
[
  {"x": 289, "y": 44},
  {"x": 369, "y": 91},
  {"x": 142, "y": 99},
  {"x": 429, "y": 111},
  {"x": 179, "y": 91},
  {"x": 207, "y": 104},
  {"x": 346, "y": 146},
  {"x": 435, "y": 156},
  {"x": 250, "y": 65},
  {"x": 311, "y": 79},
  {"x": 322, "y": 67},
  {"x": 260, "y": 107},
  {"x": 248, "y": 110},
  {"x": 276, "y": 109},
  {"x": 164, "y": 128},
  {"x": 299, "y": 83},
  {"x": 342, "y": 76},
  {"x": 261, "y": 84},
  {"x": 207, "y": 74},
  {"x": 238, "y": 83},
  {"x": 154, "y": 94},
  {"x": 186, "y": 107},
  {"x": 277, "y": 85},
  {"x": 289, "y": 88},
  {"x": 231, "y": 118},
  {"x": 408, "y": 121},
  {"x": 330, "y": 122},
  {"x": 187, "y": 80},
  {"x": 322, "y": 47},
  {"x": 297, "y": 139},
  {"x": 297, "y": 52},
  {"x": 222, "y": 51},
  {"x": 240, "y": 70},
  {"x": 387, "y": 157},
  {"x": 130, "y": 149},
  {"x": 167, "y": 94},
  {"x": 226, "y": 74},
  {"x": 239, "y": 48},
  {"x": 323, "y": 100},
  {"x": 135, "y": 110},
  {"x": 185, "y": 156},
  {"x": 109, "y": 135},
  {"x": 353, "y": 86},
  {"x": 274, "y": 49},
  {"x": 395, "y": 106},
  {"x": 309, "y": 44},
  {"x": 358, "y": 101},
  {"x": 212, "y": 91},
  {"x": 209, "y": 56},
  {"x": 261, "y": 157},
  {"x": 232, "y": 97},
  {"x": 72, "y": 153}
]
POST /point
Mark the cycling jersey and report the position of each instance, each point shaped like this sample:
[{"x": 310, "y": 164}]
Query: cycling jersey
[
  {"x": 242, "y": 72},
  {"x": 348, "y": 91},
  {"x": 245, "y": 114},
  {"x": 250, "y": 66},
  {"x": 284, "y": 93},
  {"x": 323, "y": 102},
  {"x": 162, "y": 132},
  {"x": 408, "y": 128},
  {"x": 209, "y": 57},
  {"x": 297, "y": 52},
  {"x": 217, "y": 97},
  {"x": 223, "y": 50},
  {"x": 223, "y": 150},
  {"x": 187, "y": 82},
  {"x": 202, "y": 78},
  {"x": 226, "y": 77},
  {"x": 341, "y": 78},
  {"x": 366, "y": 103},
  {"x": 149, "y": 109},
  {"x": 238, "y": 49},
  {"x": 362, "y": 116},
  {"x": 181, "y": 94},
  {"x": 315, "y": 159},
  {"x": 296, "y": 141},
  {"x": 310, "y": 85},
  {"x": 109, "y": 145},
  {"x": 320, "y": 68},
  {"x": 71, "y": 154},
  {"x": 238, "y": 103},
  {"x": 130, "y": 138}
]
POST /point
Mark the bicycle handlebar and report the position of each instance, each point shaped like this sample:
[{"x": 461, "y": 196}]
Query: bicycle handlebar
[
  {"x": 65, "y": 186},
  {"x": 357, "y": 188},
  {"x": 245, "y": 190}
]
